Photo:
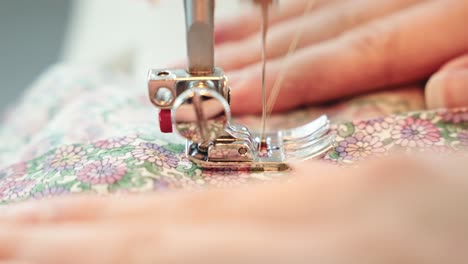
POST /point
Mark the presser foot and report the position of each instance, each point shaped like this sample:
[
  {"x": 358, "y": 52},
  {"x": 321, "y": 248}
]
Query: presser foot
[{"x": 238, "y": 149}]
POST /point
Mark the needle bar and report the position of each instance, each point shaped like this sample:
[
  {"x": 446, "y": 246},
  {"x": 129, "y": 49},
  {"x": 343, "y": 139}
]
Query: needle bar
[
  {"x": 199, "y": 19},
  {"x": 264, "y": 7}
]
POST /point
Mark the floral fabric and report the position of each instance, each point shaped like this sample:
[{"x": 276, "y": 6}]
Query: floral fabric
[{"x": 83, "y": 130}]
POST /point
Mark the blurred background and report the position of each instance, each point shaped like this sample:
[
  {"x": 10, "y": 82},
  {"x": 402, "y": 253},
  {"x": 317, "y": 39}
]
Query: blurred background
[
  {"x": 31, "y": 38},
  {"x": 124, "y": 35}
]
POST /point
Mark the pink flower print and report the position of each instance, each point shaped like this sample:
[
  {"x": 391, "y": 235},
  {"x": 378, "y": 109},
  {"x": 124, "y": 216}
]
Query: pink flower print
[
  {"x": 225, "y": 177},
  {"x": 116, "y": 142},
  {"x": 14, "y": 171},
  {"x": 413, "y": 132},
  {"x": 65, "y": 158},
  {"x": 14, "y": 190},
  {"x": 153, "y": 153},
  {"x": 106, "y": 171},
  {"x": 50, "y": 192},
  {"x": 360, "y": 146},
  {"x": 375, "y": 125},
  {"x": 455, "y": 116}
]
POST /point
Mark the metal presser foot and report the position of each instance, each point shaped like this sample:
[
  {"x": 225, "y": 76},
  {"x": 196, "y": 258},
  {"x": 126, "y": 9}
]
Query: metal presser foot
[{"x": 195, "y": 103}]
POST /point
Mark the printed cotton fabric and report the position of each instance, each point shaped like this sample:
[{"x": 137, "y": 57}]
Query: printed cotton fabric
[{"x": 84, "y": 130}]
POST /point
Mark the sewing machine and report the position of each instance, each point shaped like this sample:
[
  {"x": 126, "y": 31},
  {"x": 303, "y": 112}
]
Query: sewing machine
[{"x": 195, "y": 103}]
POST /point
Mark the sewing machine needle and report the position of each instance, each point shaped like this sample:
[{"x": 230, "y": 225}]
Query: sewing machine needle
[{"x": 264, "y": 29}]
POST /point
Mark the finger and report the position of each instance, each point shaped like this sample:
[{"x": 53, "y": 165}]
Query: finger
[
  {"x": 83, "y": 208},
  {"x": 402, "y": 48},
  {"x": 91, "y": 243},
  {"x": 240, "y": 27},
  {"x": 237, "y": 241},
  {"x": 180, "y": 205},
  {"x": 218, "y": 204},
  {"x": 116, "y": 209},
  {"x": 317, "y": 26},
  {"x": 144, "y": 242},
  {"x": 14, "y": 262},
  {"x": 448, "y": 88},
  {"x": 457, "y": 63}
]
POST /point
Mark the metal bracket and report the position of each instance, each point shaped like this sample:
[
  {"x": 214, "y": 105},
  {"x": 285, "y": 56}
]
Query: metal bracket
[{"x": 201, "y": 114}]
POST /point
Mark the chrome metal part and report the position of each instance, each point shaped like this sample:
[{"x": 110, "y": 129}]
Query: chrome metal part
[
  {"x": 197, "y": 101},
  {"x": 201, "y": 105},
  {"x": 199, "y": 20},
  {"x": 178, "y": 81},
  {"x": 276, "y": 152},
  {"x": 200, "y": 115}
]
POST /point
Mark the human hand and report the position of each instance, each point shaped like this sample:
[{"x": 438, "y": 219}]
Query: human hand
[
  {"x": 347, "y": 47},
  {"x": 392, "y": 211}
]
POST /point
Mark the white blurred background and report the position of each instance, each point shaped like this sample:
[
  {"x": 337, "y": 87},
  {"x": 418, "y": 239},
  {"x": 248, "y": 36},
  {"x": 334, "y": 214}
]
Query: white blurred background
[{"x": 126, "y": 35}]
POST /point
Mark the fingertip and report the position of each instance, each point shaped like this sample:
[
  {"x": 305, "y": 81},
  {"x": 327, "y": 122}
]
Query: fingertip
[
  {"x": 221, "y": 34},
  {"x": 243, "y": 97},
  {"x": 448, "y": 89},
  {"x": 234, "y": 29},
  {"x": 20, "y": 212},
  {"x": 434, "y": 96},
  {"x": 232, "y": 56},
  {"x": 226, "y": 31}
]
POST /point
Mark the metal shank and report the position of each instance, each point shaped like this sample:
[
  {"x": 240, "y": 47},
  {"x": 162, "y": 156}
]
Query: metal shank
[{"x": 199, "y": 18}]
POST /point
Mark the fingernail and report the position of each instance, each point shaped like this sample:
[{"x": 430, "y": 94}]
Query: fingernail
[{"x": 448, "y": 89}]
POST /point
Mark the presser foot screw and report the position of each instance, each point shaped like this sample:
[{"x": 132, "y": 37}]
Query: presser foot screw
[{"x": 242, "y": 151}]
